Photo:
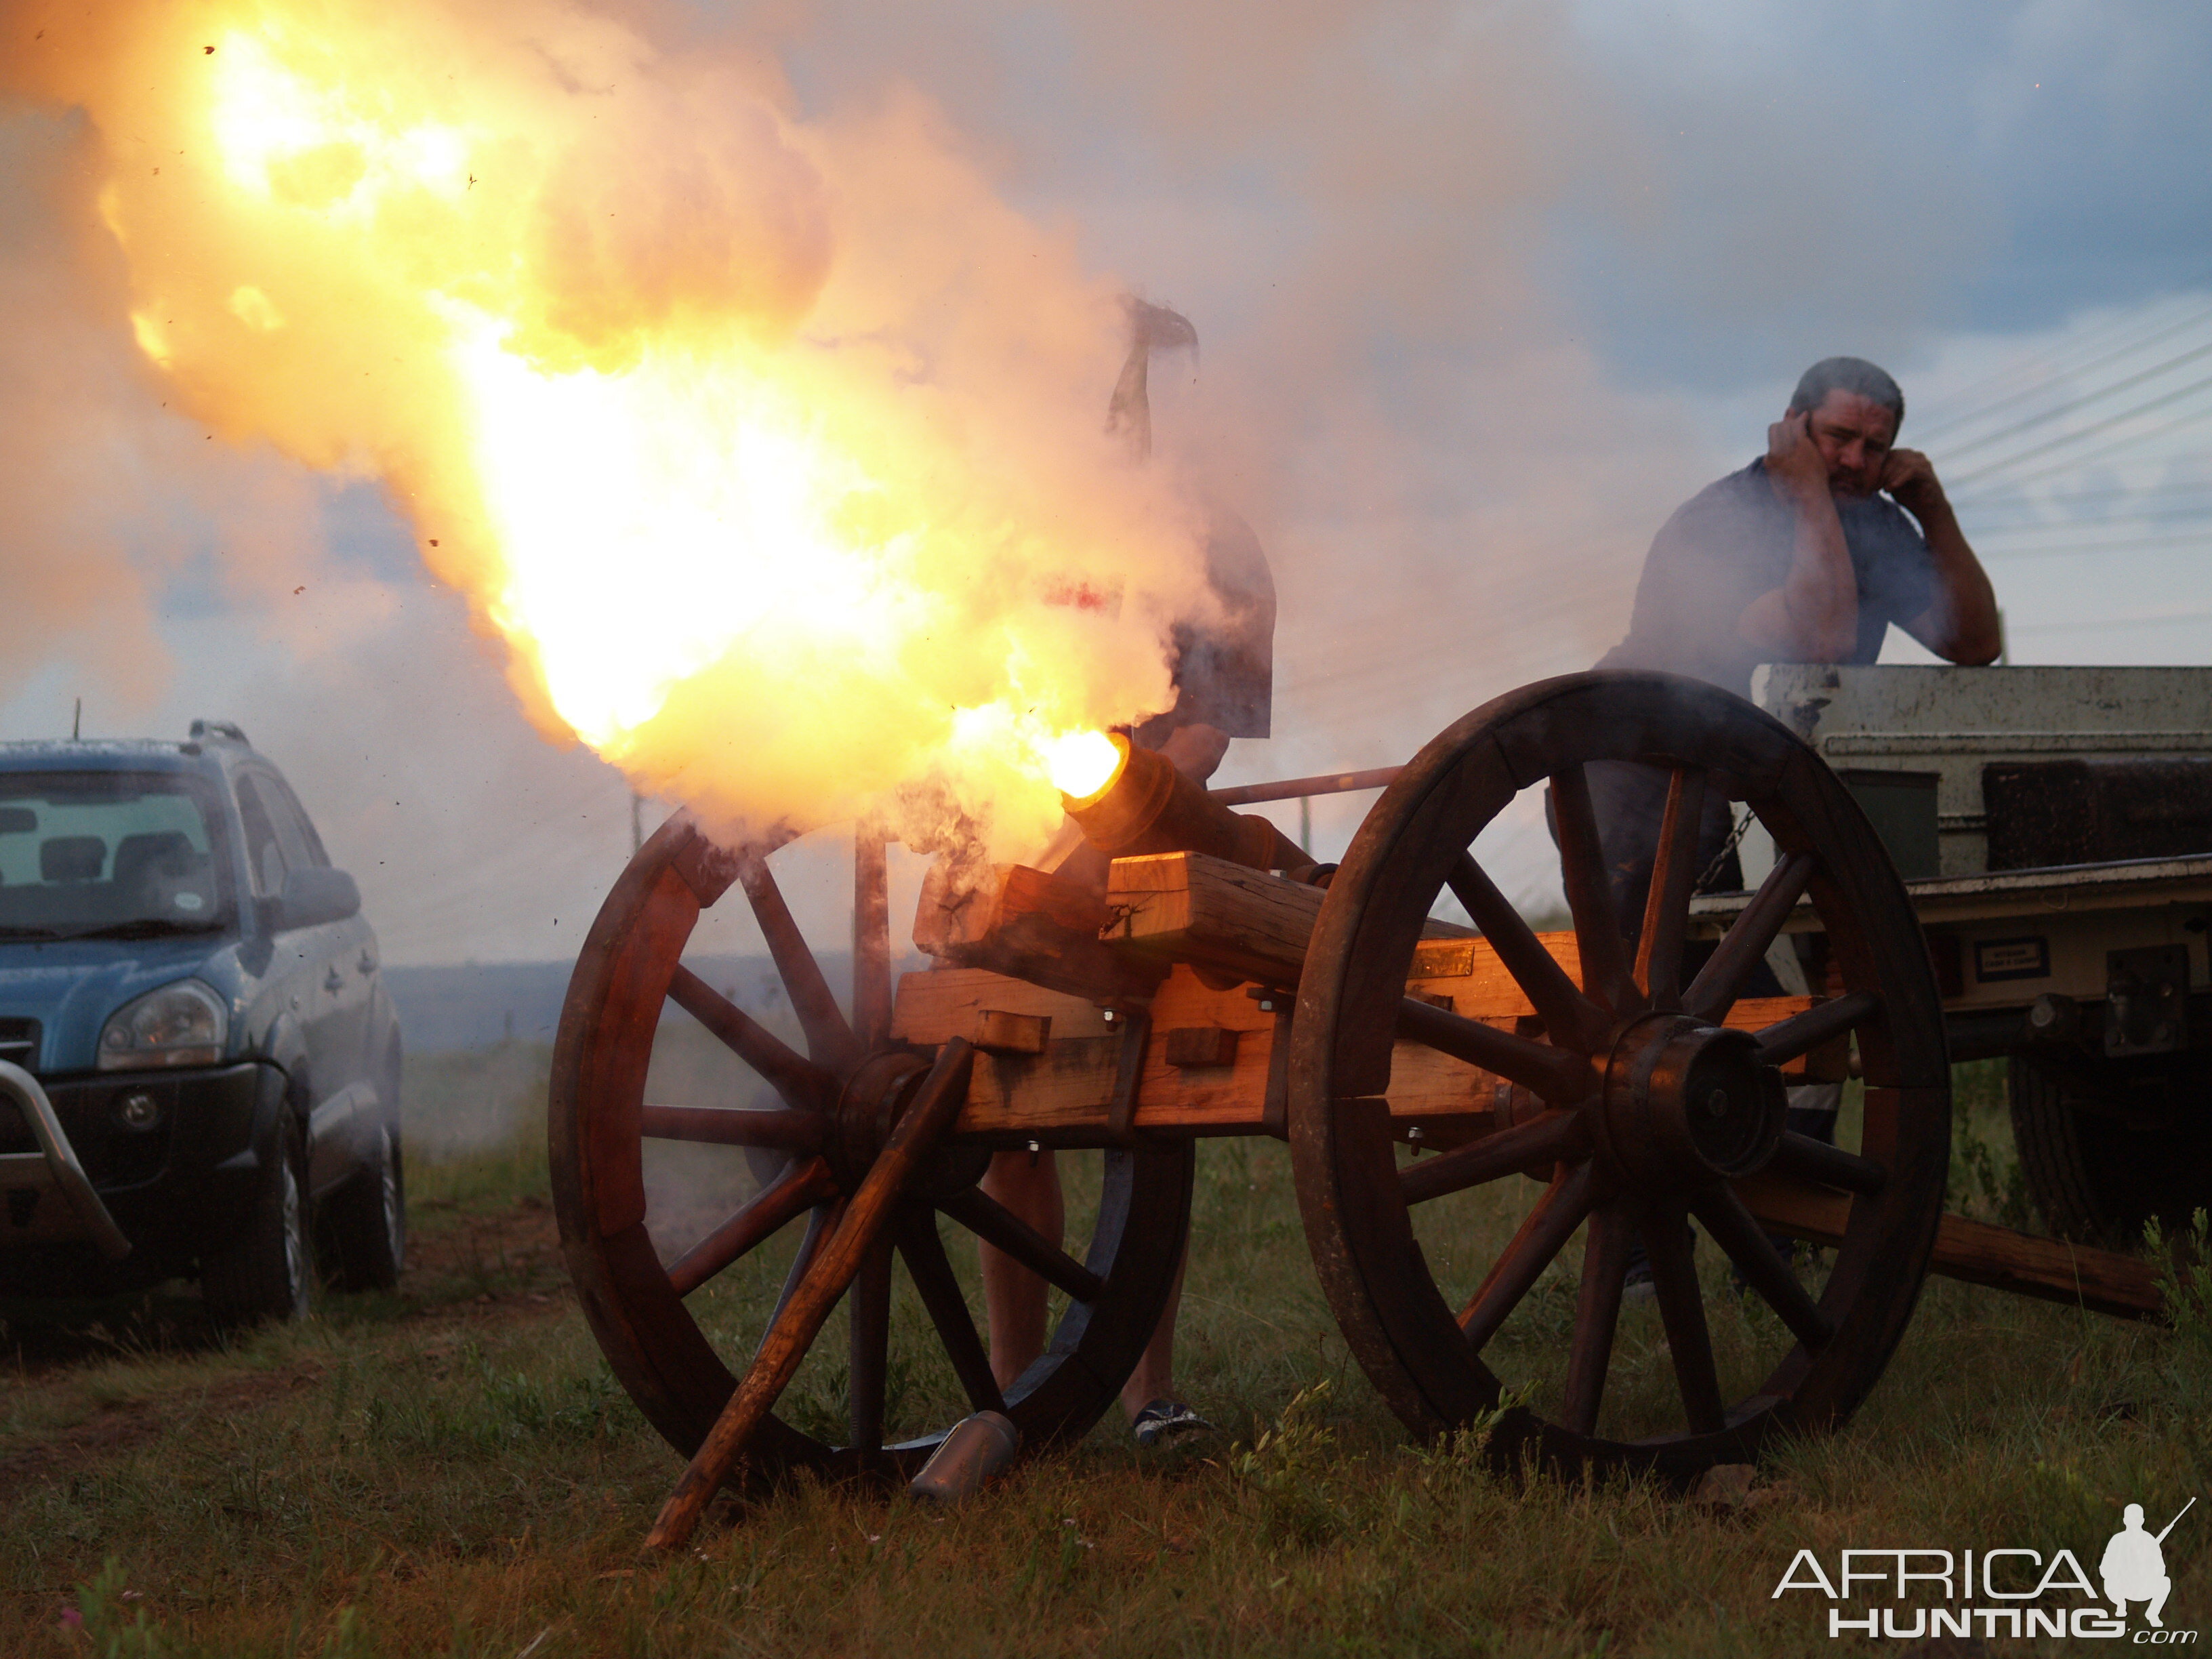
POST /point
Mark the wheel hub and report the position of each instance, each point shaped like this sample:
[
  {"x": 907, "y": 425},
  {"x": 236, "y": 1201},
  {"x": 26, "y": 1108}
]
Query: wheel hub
[
  {"x": 874, "y": 1096},
  {"x": 1689, "y": 1104}
]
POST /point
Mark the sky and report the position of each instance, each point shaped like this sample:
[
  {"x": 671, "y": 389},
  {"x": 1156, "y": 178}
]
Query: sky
[{"x": 1482, "y": 294}]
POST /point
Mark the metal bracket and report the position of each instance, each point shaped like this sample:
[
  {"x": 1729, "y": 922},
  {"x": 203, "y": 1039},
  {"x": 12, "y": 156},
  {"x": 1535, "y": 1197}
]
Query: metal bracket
[
  {"x": 1275, "y": 1110},
  {"x": 53, "y": 1170},
  {"x": 1136, "y": 1024}
]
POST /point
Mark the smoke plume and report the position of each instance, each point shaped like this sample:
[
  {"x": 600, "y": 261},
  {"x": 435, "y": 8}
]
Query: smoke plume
[{"x": 772, "y": 450}]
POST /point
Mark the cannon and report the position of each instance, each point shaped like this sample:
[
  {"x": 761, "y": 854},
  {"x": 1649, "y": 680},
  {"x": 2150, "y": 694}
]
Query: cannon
[{"x": 1604, "y": 1094}]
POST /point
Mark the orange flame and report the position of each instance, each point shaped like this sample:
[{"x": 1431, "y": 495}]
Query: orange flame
[
  {"x": 773, "y": 451},
  {"x": 1082, "y": 763}
]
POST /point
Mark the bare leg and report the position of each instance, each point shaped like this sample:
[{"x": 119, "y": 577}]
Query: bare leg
[
  {"x": 1154, "y": 1377},
  {"x": 1028, "y": 1183}
]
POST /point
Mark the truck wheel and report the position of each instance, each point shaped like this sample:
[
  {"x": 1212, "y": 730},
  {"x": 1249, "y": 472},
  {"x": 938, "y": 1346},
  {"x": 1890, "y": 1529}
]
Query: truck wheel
[
  {"x": 364, "y": 1223},
  {"x": 2096, "y": 1177},
  {"x": 264, "y": 1271}
]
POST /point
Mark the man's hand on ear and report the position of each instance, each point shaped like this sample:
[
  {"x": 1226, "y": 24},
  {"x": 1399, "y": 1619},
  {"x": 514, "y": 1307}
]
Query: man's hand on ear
[{"x": 1794, "y": 461}]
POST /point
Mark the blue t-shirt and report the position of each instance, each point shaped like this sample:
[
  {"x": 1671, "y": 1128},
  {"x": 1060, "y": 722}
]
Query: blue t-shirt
[{"x": 1733, "y": 541}]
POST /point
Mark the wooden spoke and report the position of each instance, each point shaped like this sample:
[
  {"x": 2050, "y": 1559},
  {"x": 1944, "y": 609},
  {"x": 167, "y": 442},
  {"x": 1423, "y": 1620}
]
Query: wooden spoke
[
  {"x": 821, "y": 1221},
  {"x": 1543, "y": 1233},
  {"x": 1386, "y": 1259},
  {"x": 730, "y": 1126},
  {"x": 1682, "y": 1311},
  {"x": 1816, "y": 1160},
  {"x": 1590, "y": 894},
  {"x": 1547, "y": 1140},
  {"x": 803, "y": 1086},
  {"x": 796, "y": 1190},
  {"x": 866, "y": 1213},
  {"x": 872, "y": 936},
  {"x": 1597, "y": 1314},
  {"x": 927, "y": 1264},
  {"x": 1734, "y": 1230},
  {"x": 1667, "y": 908},
  {"x": 1560, "y": 1075},
  {"x": 1571, "y": 1019},
  {"x": 871, "y": 1310},
  {"x": 1823, "y": 1022},
  {"x": 999, "y": 1226},
  {"x": 829, "y": 1041},
  {"x": 674, "y": 1355},
  {"x": 1744, "y": 946}
]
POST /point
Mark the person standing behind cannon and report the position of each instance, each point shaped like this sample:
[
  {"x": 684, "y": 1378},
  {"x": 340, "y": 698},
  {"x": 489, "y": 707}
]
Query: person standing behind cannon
[
  {"x": 1224, "y": 678},
  {"x": 1807, "y": 555}
]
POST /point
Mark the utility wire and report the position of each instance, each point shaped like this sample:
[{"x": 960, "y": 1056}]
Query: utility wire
[
  {"x": 2117, "y": 492},
  {"x": 2073, "y": 403},
  {"x": 2138, "y": 545},
  {"x": 2153, "y": 620},
  {"x": 2076, "y": 436},
  {"x": 2179, "y": 515},
  {"x": 1967, "y": 418},
  {"x": 2015, "y": 493}
]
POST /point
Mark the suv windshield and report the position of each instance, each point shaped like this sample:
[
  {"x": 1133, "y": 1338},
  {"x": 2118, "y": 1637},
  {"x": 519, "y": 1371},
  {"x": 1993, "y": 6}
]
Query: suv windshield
[{"x": 109, "y": 854}]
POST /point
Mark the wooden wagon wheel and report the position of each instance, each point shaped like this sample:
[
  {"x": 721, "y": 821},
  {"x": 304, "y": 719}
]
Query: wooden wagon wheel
[
  {"x": 840, "y": 1103},
  {"x": 1639, "y": 1109}
]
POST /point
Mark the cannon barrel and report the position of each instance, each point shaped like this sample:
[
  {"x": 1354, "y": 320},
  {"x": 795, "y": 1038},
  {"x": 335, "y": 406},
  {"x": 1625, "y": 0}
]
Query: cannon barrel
[{"x": 1148, "y": 806}]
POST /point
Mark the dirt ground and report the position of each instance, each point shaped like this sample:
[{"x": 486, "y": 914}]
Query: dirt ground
[{"x": 467, "y": 1268}]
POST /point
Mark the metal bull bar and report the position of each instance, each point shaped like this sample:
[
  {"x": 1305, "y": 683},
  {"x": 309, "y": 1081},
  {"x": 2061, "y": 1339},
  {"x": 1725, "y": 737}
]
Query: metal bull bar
[{"x": 45, "y": 1197}]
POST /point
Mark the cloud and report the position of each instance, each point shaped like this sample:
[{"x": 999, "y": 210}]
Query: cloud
[{"x": 1471, "y": 285}]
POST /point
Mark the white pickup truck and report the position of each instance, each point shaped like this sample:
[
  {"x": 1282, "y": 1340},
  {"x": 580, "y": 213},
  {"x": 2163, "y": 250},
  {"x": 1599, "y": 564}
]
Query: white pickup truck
[{"x": 2054, "y": 827}]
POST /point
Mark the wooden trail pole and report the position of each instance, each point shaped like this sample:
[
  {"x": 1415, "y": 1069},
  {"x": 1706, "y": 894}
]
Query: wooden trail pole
[{"x": 943, "y": 1093}]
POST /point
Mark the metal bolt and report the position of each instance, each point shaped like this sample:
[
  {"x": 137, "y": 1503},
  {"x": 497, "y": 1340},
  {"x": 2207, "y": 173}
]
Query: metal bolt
[
  {"x": 1108, "y": 1015},
  {"x": 1717, "y": 1104},
  {"x": 1414, "y": 1134},
  {"x": 139, "y": 1111},
  {"x": 1266, "y": 1006}
]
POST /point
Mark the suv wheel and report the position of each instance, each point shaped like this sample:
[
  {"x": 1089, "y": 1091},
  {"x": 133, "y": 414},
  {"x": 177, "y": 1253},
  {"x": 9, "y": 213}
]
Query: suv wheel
[
  {"x": 365, "y": 1222},
  {"x": 266, "y": 1271}
]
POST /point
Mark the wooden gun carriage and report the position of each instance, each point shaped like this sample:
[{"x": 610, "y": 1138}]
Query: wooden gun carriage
[{"x": 1607, "y": 1094}]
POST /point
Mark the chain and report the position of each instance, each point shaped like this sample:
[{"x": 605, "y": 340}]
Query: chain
[{"x": 1720, "y": 858}]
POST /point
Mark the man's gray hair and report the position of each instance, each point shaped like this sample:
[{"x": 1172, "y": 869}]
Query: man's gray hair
[{"x": 1847, "y": 374}]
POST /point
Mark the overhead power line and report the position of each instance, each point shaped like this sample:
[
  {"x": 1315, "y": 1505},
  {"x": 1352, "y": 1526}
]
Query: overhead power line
[
  {"x": 2005, "y": 494},
  {"x": 2076, "y": 436},
  {"x": 2053, "y": 413},
  {"x": 2116, "y": 492},
  {"x": 1988, "y": 383},
  {"x": 2077, "y": 549},
  {"x": 2179, "y": 515},
  {"x": 2154, "y": 619}
]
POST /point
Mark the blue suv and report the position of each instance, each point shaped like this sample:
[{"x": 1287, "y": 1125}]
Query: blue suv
[{"x": 199, "y": 1064}]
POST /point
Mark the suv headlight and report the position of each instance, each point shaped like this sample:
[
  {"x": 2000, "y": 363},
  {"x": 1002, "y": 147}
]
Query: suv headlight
[{"x": 179, "y": 1024}]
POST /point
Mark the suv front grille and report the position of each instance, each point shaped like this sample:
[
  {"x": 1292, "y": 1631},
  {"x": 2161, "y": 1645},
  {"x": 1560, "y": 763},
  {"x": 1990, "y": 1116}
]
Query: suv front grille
[{"x": 19, "y": 1043}]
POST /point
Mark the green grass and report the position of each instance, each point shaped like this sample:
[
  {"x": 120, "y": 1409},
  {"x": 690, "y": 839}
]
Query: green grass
[{"x": 431, "y": 1472}]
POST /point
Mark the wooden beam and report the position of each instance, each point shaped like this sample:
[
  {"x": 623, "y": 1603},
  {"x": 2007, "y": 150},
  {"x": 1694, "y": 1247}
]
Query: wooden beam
[
  {"x": 1212, "y": 914},
  {"x": 2049, "y": 1269},
  {"x": 1222, "y": 916},
  {"x": 1063, "y": 1094},
  {"x": 998, "y": 1031}
]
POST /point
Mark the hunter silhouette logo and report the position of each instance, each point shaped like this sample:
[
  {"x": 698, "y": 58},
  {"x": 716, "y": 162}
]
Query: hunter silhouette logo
[
  {"x": 2134, "y": 1567},
  {"x": 2011, "y": 1592}
]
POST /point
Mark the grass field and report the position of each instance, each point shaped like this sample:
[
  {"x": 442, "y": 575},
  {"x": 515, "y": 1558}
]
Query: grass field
[{"x": 450, "y": 1469}]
